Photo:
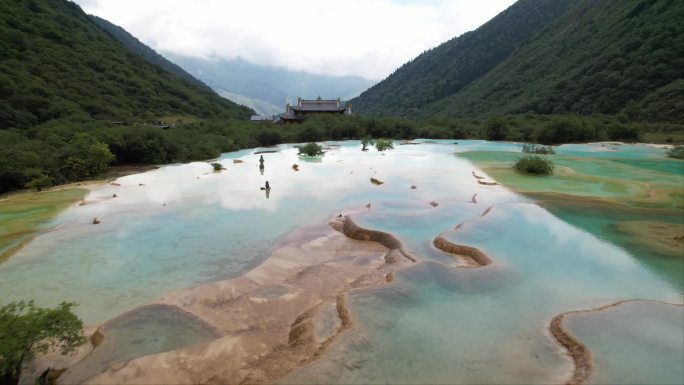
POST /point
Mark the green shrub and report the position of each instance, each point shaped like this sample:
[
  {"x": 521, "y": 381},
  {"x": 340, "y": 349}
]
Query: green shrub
[
  {"x": 676, "y": 152},
  {"x": 384, "y": 144},
  {"x": 532, "y": 148},
  {"x": 565, "y": 130},
  {"x": 217, "y": 166},
  {"x": 365, "y": 142},
  {"x": 311, "y": 149},
  {"x": 533, "y": 164},
  {"x": 27, "y": 330},
  {"x": 496, "y": 129},
  {"x": 40, "y": 182}
]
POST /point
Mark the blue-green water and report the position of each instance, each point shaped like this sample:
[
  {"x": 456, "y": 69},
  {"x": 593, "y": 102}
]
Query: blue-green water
[
  {"x": 442, "y": 325},
  {"x": 183, "y": 225},
  {"x": 621, "y": 343}
]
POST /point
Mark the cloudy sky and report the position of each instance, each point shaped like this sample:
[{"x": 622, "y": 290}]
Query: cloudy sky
[{"x": 370, "y": 38}]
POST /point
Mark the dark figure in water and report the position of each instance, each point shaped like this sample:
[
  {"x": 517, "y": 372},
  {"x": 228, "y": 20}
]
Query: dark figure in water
[
  {"x": 261, "y": 162},
  {"x": 267, "y": 189}
]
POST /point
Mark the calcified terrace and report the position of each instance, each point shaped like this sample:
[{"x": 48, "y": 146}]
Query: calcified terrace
[{"x": 331, "y": 278}]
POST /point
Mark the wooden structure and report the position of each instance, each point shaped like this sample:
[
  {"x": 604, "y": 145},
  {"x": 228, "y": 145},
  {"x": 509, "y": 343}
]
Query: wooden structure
[{"x": 306, "y": 108}]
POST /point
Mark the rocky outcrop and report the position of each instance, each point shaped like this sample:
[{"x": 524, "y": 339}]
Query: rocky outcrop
[
  {"x": 580, "y": 353},
  {"x": 477, "y": 176},
  {"x": 354, "y": 231},
  {"x": 97, "y": 338},
  {"x": 472, "y": 253},
  {"x": 277, "y": 317}
]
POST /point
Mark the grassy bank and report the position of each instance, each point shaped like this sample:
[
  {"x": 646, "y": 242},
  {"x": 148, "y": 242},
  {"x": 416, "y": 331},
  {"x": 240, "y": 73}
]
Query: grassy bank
[
  {"x": 23, "y": 214},
  {"x": 635, "y": 204}
]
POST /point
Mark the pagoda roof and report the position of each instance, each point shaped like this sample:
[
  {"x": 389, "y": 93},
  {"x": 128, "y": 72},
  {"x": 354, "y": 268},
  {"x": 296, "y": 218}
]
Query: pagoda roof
[{"x": 318, "y": 105}]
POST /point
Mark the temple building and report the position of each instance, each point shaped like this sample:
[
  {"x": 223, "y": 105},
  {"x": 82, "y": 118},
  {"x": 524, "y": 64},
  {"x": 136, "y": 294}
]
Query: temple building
[{"x": 306, "y": 108}]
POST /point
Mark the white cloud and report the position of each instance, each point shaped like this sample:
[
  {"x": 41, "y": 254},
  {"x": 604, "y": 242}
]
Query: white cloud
[{"x": 370, "y": 38}]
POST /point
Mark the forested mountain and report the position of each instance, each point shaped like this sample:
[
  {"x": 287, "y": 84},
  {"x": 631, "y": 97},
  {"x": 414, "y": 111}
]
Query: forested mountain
[
  {"x": 446, "y": 69},
  {"x": 56, "y": 63},
  {"x": 136, "y": 46},
  {"x": 274, "y": 85},
  {"x": 609, "y": 57},
  {"x": 74, "y": 100}
]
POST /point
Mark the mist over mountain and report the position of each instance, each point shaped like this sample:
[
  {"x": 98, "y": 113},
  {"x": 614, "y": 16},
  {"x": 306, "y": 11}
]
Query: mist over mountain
[
  {"x": 136, "y": 46},
  {"x": 274, "y": 85}
]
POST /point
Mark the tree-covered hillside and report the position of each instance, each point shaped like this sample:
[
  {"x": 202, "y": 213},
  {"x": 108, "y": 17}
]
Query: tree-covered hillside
[
  {"x": 615, "y": 57},
  {"x": 611, "y": 57},
  {"x": 136, "y": 46},
  {"x": 56, "y": 64},
  {"x": 66, "y": 87},
  {"x": 446, "y": 69}
]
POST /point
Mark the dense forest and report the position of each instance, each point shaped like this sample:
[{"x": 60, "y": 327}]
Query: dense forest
[
  {"x": 617, "y": 57},
  {"x": 448, "y": 68},
  {"x": 136, "y": 46}
]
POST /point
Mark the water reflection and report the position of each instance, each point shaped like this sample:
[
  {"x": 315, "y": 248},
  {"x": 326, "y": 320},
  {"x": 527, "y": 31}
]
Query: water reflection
[{"x": 182, "y": 225}]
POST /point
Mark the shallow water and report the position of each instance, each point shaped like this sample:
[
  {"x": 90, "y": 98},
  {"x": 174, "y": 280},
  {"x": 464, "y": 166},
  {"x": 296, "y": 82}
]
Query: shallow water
[
  {"x": 149, "y": 330},
  {"x": 444, "y": 325},
  {"x": 183, "y": 225},
  {"x": 621, "y": 344},
  {"x": 635, "y": 183}
]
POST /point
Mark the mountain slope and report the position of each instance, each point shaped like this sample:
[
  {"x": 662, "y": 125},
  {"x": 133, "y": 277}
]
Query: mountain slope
[
  {"x": 136, "y": 46},
  {"x": 274, "y": 85},
  {"x": 259, "y": 106},
  {"x": 611, "y": 56},
  {"x": 448, "y": 68},
  {"x": 56, "y": 63}
]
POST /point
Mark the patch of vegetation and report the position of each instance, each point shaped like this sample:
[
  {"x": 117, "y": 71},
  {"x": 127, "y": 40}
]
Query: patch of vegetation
[
  {"x": 676, "y": 152},
  {"x": 532, "y": 148},
  {"x": 217, "y": 166},
  {"x": 496, "y": 129},
  {"x": 384, "y": 145},
  {"x": 27, "y": 330},
  {"x": 365, "y": 142},
  {"x": 311, "y": 149},
  {"x": 533, "y": 164}
]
